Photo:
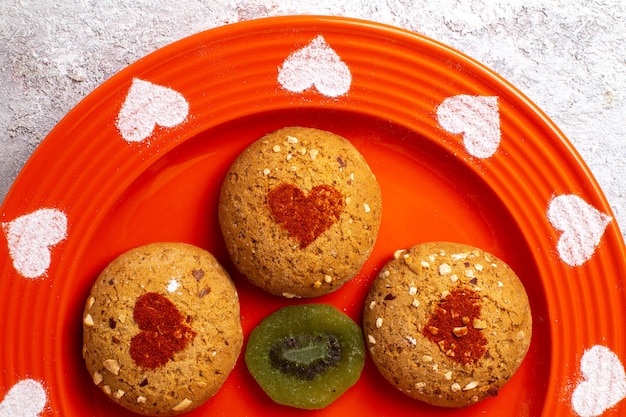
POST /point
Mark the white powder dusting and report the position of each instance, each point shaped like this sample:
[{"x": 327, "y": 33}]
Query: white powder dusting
[
  {"x": 30, "y": 237},
  {"x": 477, "y": 118},
  {"x": 173, "y": 285},
  {"x": 566, "y": 56},
  {"x": 27, "y": 398},
  {"x": 582, "y": 226},
  {"x": 316, "y": 65},
  {"x": 148, "y": 105},
  {"x": 604, "y": 383}
]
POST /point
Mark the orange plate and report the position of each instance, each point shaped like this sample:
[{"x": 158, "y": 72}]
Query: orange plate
[{"x": 117, "y": 195}]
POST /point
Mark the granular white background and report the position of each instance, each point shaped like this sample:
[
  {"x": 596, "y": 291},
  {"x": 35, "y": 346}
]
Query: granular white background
[{"x": 567, "y": 56}]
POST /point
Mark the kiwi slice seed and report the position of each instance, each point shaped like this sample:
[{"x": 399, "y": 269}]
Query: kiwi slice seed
[{"x": 306, "y": 356}]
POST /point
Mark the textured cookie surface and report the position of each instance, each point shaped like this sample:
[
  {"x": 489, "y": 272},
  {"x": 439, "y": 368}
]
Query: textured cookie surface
[
  {"x": 161, "y": 328},
  {"x": 446, "y": 323},
  {"x": 300, "y": 211}
]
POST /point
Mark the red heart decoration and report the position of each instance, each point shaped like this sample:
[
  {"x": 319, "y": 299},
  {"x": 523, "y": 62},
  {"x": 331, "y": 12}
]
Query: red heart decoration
[
  {"x": 305, "y": 217},
  {"x": 163, "y": 331},
  {"x": 453, "y": 326}
]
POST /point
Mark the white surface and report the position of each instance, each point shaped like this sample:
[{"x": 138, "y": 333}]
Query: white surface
[{"x": 567, "y": 56}]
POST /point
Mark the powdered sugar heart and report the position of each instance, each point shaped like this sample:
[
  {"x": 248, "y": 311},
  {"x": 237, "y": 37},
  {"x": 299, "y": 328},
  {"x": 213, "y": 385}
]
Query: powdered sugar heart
[
  {"x": 316, "y": 65},
  {"x": 477, "y": 118},
  {"x": 27, "y": 398},
  {"x": 582, "y": 226},
  {"x": 148, "y": 105},
  {"x": 30, "y": 237},
  {"x": 604, "y": 383}
]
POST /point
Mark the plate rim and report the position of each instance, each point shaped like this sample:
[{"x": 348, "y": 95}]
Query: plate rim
[{"x": 113, "y": 86}]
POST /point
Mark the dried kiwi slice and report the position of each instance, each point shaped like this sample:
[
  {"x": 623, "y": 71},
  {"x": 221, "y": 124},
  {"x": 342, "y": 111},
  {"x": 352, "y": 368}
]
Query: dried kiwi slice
[{"x": 306, "y": 356}]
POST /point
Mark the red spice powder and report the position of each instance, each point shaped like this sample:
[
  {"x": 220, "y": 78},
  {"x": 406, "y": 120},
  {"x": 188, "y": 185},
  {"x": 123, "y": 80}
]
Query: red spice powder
[
  {"x": 163, "y": 331},
  {"x": 305, "y": 217},
  {"x": 451, "y": 326}
]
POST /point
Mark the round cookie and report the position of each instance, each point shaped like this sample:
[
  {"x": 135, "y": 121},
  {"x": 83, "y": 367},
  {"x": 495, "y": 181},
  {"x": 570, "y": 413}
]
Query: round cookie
[
  {"x": 447, "y": 323},
  {"x": 300, "y": 211},
  {"x": 161, "y": 328}
]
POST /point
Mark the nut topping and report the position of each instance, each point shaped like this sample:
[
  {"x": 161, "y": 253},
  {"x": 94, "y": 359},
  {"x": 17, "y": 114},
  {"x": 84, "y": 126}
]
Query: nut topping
[
  {"x": 460, "y": 331},
  {"x": 470, "y": 386},
  {"x": 97, "y": 378},
  {"x": 397, "y": 254},
  {"x": 480, "y": 324},
  {"x": 182, "y": 405},
  {"x": 88, "y": 320},
  {"x": 112, "y": 366},
  {"x": 444, "y": 269}
]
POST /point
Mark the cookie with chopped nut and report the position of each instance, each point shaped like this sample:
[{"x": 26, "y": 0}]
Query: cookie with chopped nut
[
  {"x": 300, "y": 210},
  {"x": 447, "y": 323},
  {"x": 161, "y": 328}
]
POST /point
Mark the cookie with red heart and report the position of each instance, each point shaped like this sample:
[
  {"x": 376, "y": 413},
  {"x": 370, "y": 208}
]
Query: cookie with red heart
[
  {"x": 447, "y": 323},
  {"x": 162, "y": 329},
  {"x": 300, "y": 210}
]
